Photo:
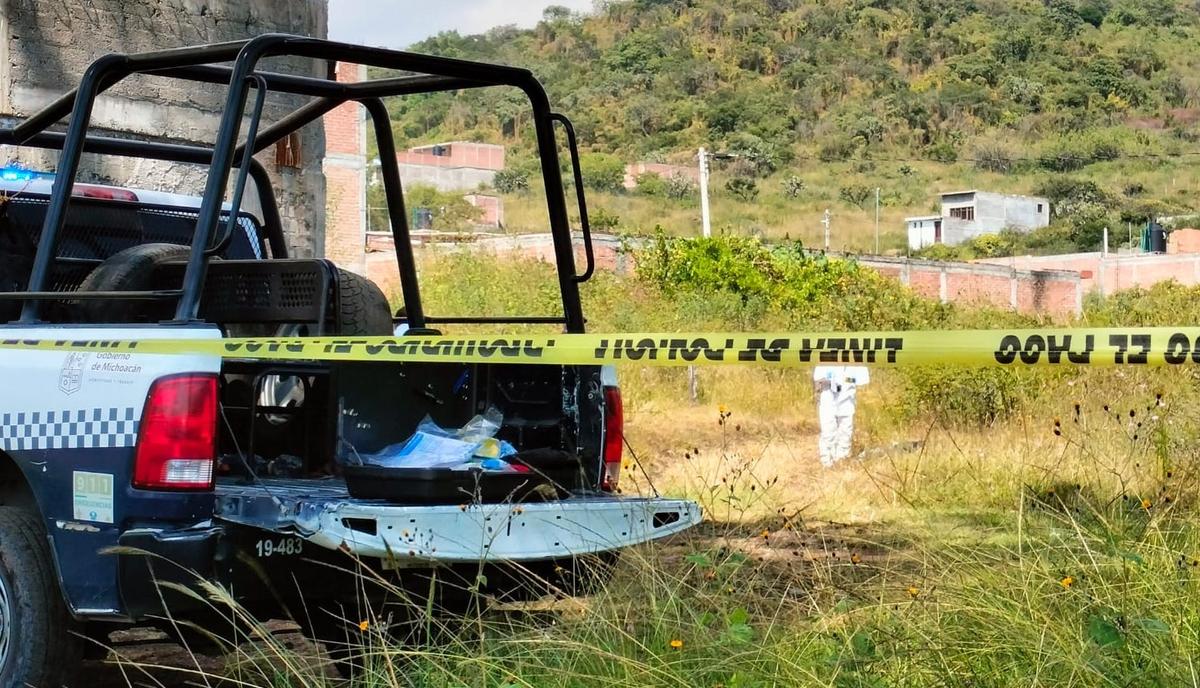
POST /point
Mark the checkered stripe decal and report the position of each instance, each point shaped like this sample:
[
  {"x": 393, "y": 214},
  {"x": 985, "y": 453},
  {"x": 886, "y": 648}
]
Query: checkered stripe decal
[{"x": 77, "y": 429}]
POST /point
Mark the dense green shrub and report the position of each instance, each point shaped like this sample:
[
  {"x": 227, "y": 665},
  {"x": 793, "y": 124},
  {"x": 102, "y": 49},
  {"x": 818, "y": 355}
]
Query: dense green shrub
[
  {"x": 451, "y": 211},
  {"x": 961, "y": 396},
  {"x": 943, "y": 151},
  {"x": 837, "y": 149},
  {"x": 602, "y": 172},
  {"x": 791, "y": 285},
  {"x": 509, "y": 181},
  {"x": 744, "y": 188},
  {"x": 651, "y": 184},
  {"x": 1162, "y": 305}
]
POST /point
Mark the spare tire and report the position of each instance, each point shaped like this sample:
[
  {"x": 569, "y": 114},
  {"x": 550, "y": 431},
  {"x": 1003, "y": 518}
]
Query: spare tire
[
  {"x": 362, "y": 309},
  {"x": 129, "y": 270}
]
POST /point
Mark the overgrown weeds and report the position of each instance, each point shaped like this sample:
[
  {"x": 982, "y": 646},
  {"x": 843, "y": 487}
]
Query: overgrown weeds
[{"x": 1059, "y": 548}]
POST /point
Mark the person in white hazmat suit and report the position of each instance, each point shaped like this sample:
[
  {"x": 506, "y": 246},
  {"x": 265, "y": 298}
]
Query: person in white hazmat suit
[{"x": 837, "y": 395}]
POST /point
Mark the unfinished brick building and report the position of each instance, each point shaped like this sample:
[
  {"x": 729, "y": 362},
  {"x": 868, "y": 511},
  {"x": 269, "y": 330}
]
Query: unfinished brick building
[{"x": 46, "y": 46}]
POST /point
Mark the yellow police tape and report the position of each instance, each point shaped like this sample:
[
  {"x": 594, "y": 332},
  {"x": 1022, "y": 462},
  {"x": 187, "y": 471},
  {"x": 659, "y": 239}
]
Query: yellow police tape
[{"x": 1012, "y": 348}]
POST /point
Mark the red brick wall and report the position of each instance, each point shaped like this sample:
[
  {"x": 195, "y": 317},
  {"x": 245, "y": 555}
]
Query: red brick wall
[
  {"x": 993, "y": 290},
  {"x": 1047, "y": 292},
  {"x": 462, "y": 154},
  {"x": 1115, "y": 272},
  {"x": 345, "y": 180},
  {"x": 1185, "y": 240},
  {"x": 492, "y": 207},
  {"x": 343, "y": 133},
  {"x": 925, "y": 283}
]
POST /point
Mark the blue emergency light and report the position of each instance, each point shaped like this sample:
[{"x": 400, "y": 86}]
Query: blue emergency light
[{"x": 20, "y": 174}]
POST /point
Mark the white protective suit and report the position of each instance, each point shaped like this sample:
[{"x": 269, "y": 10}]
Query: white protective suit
[{"x": 838, "y": 394}]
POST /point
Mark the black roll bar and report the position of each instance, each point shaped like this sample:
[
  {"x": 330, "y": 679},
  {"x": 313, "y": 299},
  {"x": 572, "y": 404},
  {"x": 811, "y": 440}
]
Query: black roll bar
[
  {"x": 198, "y": 64},
  {"x": 389, "y": 167},
  {"x": 580, "y": 197}
]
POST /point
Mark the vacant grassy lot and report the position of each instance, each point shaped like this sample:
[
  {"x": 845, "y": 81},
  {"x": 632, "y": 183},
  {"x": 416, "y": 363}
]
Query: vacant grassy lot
[{"x": 993, "y": 529}]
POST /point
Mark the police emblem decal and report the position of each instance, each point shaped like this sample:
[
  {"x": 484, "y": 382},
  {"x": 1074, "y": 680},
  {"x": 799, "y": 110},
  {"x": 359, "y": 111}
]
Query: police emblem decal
[{"x": 71, "y": 377}]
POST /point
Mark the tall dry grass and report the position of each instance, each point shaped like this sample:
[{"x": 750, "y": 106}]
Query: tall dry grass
[
  {"x": 1056, "y": 548},
  {"x": 994, "y": 530}
]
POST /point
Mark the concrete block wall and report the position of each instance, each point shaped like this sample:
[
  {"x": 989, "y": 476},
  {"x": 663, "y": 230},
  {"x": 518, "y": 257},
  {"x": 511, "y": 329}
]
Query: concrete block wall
[
  {"x": 994, "y": 212},
  {"x": 446, "y": 178},
  {"x": 346, "y": 179},
  {"x": 45, "y": 46}
]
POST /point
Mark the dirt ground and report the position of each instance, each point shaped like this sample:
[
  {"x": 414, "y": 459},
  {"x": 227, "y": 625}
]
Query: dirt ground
[{"x": 146, "y": 658}]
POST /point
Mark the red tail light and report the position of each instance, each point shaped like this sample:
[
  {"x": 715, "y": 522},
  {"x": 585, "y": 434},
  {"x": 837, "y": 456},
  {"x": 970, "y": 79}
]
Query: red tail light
[
  {"x": 614, "y": 437},
  {"x": 177, "y": 440}
]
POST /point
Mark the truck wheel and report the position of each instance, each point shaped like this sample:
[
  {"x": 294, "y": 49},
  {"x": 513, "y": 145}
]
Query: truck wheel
[
  {"x": 362, "y": 308},
  {"x": 38, "y": 643}
]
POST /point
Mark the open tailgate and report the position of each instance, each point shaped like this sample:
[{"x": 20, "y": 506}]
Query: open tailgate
[{"x": 322, "y": 514}]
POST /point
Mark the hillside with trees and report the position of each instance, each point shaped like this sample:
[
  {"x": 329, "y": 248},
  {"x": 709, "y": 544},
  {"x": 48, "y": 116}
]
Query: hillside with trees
[{"x": 1093, "y": 103}]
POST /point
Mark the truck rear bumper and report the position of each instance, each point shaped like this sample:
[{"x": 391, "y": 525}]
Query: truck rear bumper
[
  {"x": 148, "y": 558},
  {"x": 420, "y": 535},
  {"x": 495, "y": 532}
]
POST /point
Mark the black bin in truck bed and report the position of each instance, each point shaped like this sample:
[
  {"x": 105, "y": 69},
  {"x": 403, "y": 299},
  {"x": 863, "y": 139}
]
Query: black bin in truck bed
[{"x": 548, "y": 474}]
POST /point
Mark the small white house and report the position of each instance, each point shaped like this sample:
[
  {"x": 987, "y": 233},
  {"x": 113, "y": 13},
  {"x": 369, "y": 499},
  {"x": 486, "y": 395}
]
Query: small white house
[
  {"x": 968, "y": 214},
  {"x": 924, "y": 231}
]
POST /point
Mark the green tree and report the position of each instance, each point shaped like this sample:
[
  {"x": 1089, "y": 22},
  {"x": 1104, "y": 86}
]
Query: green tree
[
  {"x": 510, "y": 180},
  {"x": 680, "y": 187},
  {"x": 602, "y": 171},
  {"x": 854, "y": 194},
  {"x": 754, "y": 156},
  {"x": 742, "y": 187},
  {"x": 651, "y": 184},
  {"x": 451, "y": 212},
  {"x": 1094, "y": 11}
]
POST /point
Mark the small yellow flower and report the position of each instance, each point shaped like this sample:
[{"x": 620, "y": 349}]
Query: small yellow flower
[
  {"x": 766, "y": 533},
  {"x": 676, "y": 644},
  {"x": 855, "y": 559},
  {"x": 722, "y": 409},
  {"x": 912, "y": 591},
  {"x": 363, "y": 626},
  {"x": 1067, "y": 582},
  {"x": 1146, "y": 503}
]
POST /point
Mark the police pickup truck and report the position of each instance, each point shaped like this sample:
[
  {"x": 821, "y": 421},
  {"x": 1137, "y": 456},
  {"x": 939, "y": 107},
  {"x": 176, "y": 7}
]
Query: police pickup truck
[{"x": 124, "y": 476}]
